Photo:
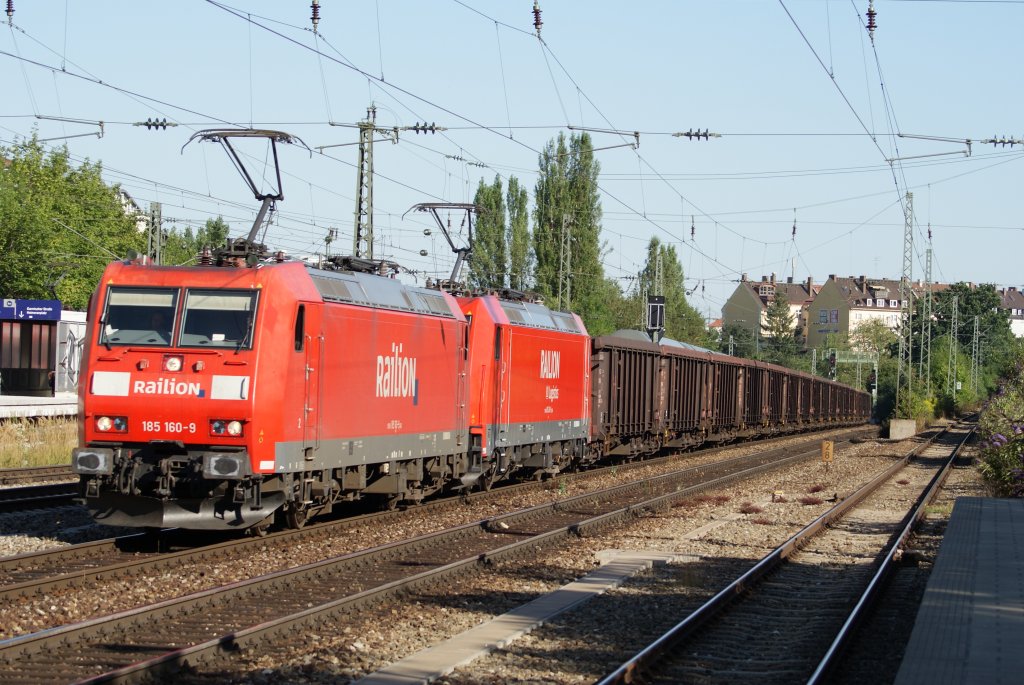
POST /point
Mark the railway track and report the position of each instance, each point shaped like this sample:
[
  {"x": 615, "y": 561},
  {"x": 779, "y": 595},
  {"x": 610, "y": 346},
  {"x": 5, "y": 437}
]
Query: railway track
[
  {"x": 37, "y": 496},
  {"x": 205, "y": 625},
  {"x": 36, "y": 474},
  {"x": 787, "y": 618},
  {"x": 137, "y": 555},
  {"x": 33, "y": 488}
]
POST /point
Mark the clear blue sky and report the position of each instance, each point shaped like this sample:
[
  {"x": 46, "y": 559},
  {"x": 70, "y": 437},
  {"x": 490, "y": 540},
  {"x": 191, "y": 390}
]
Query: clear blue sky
[{"x": 756, "y": 71}]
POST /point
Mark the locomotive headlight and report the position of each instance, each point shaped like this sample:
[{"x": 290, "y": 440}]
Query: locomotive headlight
[
  {"x": 232, "y": 427},
  {"x": 173, "y": 363},
  {"x": 118, "y": 424}
]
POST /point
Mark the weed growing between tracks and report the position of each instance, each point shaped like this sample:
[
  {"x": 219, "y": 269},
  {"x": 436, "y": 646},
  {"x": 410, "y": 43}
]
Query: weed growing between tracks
[{"x": 37, "y": 442}]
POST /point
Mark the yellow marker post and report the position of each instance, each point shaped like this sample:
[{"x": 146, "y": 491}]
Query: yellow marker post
[{"x": 827, "y": 451}]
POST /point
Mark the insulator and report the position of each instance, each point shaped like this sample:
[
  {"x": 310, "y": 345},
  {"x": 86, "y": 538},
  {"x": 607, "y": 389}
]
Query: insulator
[
  {"x": 537, "y": 23},
  {"x": 315, "y": 18},
  {"x": 872, "y": 24},
  {"x": 10, "y": 11}
]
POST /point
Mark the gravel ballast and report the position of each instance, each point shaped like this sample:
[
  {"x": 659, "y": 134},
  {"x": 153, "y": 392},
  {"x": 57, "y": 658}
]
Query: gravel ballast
[{"x": 586, "y": 643}]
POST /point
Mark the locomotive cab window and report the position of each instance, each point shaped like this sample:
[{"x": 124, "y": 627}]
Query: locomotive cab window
[
  {"x": 138, "y": 316},
  {"x": 218, "y": 318},
  {"x": 300, "y": 328}
]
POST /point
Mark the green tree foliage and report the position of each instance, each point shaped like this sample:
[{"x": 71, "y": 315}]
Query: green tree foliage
[
  {"x": 520, "y": 253},
  {"x": 59, "y": 225},
  {"x": 489, "y": 264},
  {"x": 682, "y": 322},
  {"x": 183, "y": 247},
  {"x": 873, "y": 337},
  {"x": 567, "y": 200},
  {"x": 951, "y": 360},
  {"x": 951, "y": 382},
  {"x": 779, "y": 333},
  {"x": 744, "y": 343}
]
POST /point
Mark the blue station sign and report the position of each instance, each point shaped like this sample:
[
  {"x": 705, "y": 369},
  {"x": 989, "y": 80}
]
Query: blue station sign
[{"x": 30, "y": 310}]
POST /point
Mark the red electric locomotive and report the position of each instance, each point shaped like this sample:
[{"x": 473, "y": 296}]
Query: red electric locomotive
[
  {"x": 213, "y": 397},
  {"x": 529, "y": 387}
]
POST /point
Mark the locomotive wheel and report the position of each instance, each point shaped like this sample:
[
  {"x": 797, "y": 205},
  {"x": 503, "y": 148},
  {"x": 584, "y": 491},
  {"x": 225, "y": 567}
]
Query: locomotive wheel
[
  {"x": 295, "y": 516},
  {"x": 262, "y": 528}
]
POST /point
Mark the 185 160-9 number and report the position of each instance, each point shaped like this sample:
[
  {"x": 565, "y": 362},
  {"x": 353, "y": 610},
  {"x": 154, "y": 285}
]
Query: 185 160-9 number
[{"x": 168, "y": 427}]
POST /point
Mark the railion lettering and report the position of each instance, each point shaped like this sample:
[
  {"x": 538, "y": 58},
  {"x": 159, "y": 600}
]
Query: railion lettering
[
  {"x": 396, "y": 374},
  {"x": 166, "y": 386},
  {"x": 549, "y": 363}
]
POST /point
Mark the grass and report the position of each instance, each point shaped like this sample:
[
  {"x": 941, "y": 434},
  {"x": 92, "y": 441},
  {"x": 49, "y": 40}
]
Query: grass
[
  {"x": 809, "y": 500},
  {"x": 815, "y": 488},
  {"x": 37, "y": 442},
  {"x": 939, "y": 509},
  {"x": 750, "y": 508}
]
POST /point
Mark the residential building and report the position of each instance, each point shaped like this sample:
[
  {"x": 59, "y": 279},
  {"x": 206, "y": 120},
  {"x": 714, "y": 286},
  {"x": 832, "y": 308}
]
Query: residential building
[
  {"x": 843, "y": 304},
  {"x": 748, "y": 304},
  {"x": 1013, "y": 305}
]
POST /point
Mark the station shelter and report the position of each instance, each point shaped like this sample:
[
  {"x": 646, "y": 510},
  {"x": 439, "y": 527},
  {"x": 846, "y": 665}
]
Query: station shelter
[{"x": 38, "y": 338}]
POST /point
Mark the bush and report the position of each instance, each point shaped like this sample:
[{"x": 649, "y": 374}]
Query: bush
[{"x": 1001, "y": 428}]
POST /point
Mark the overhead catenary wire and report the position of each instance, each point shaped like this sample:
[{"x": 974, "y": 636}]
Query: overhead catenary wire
[{"x": 646, "y": 207}]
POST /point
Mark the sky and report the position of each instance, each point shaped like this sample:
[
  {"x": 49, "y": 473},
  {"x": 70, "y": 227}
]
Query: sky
[{"x": 819, "y": 128}]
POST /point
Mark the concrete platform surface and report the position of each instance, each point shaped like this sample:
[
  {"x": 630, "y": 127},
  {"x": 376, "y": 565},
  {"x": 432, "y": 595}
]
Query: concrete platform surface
[
  {"x": 971, "y": 622},
  {"x": 21, "y": 406},
  {"x": 442, "y": 659}
]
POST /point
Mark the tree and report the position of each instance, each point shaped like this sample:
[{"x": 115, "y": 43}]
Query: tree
[
  {"x": 682, "y": 322},
  {"x": 519, "y": 253},
  {"x": 741, "y": 338},
  {"x": 779, "y": 332},
  {"x": 489, "y": 264},
  {"x": 184, "y": 247},
  {"x": 59, "y": 225},
  {"x": 997, "y": 345},
  {"x": 873, "y": 337},
  {"x": 567, "y": 227}
]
